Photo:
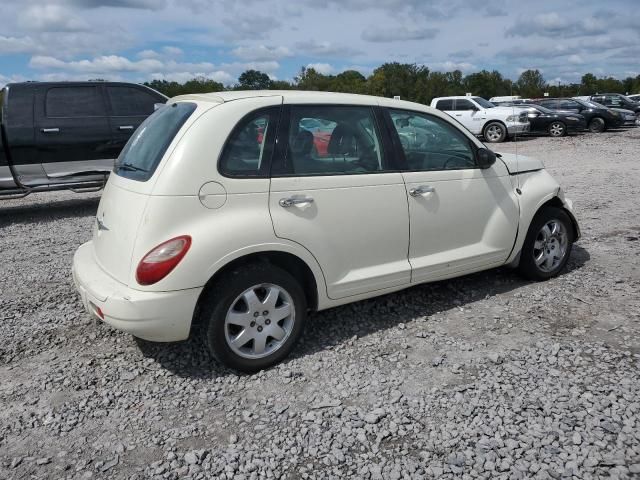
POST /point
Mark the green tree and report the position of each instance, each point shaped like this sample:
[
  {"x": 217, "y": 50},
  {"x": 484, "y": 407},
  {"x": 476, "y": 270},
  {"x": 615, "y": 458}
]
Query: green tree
[
  {"x": 254, "y": 80},
  {"x": 531, "y": 84},
  {"x": 310, "y": 79},
  {"x": 349, "y": 81},
  {"x": 487, "y": 84},
  {"x": 407, "y": 80}
]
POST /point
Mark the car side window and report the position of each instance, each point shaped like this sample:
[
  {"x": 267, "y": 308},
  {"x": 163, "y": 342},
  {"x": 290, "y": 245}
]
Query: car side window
[
  {"x": 613, "y": 101},
  {"x": 70, "y": 102},
  {"x": 130, "y": 101},
  {"x": 464, "y": 105},
  {"x": 331, "y": 140},
  {"x": 444, "y": 105},
  {"x": 430, "y": 143},
  {"x": 569, "y": 105},
  {"x": 250, "y": 144}
]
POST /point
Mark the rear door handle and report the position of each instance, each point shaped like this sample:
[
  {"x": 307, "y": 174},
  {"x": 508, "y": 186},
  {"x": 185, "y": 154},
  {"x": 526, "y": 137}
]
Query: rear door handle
[
  {"x": 421, "y": 190},
  {"x": 458, "y": 114},
  {"x": 295, "y": 200},
  {"x": 125, "y": 127},
  {"x": 50, "y": 130}
]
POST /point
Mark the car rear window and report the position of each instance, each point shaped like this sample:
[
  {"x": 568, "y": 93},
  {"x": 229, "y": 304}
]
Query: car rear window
[{"x": 144, "y": 150}]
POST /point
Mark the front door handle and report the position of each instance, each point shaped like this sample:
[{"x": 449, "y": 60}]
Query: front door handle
[
  {"x": 125, "y": 127},
  {"x": 288, "y": 202},
  {"x": 50, "y": 130},
  {"x": 421, "y": 190},
  {"x": 458, "y": 114}
]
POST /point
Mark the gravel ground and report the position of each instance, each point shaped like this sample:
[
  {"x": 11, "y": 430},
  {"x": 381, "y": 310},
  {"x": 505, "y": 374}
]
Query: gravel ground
[{"x": 486, "y": 376}]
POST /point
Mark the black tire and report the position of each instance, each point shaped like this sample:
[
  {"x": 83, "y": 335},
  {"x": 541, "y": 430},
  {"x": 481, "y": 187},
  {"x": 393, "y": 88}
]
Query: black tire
[
  {"x": 218, "y": 302},
  {"x": 494, "y": 132},
  {"x": 597, "y": 125},
  {"x": 528, "y": 266},
  {"x": 557, "y": 129}
]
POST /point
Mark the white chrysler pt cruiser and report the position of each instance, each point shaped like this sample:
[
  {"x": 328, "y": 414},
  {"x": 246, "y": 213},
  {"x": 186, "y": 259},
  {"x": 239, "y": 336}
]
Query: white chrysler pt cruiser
[{"x": 232, "y": 215}]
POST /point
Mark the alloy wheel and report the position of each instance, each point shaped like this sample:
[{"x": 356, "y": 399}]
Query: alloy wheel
[
  {"x": 556, "y": 129},
  {"x": 259, "y": 321},
  {"x": 494, "y": 133},
  {"x": 550, "y": 246}
]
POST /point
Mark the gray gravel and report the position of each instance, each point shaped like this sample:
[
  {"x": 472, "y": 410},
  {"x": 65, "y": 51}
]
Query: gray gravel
[{"x": 486, "y": 376}]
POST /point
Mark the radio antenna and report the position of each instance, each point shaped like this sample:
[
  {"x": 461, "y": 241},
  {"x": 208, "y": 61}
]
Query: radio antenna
[{"x": 515, "y": 139}]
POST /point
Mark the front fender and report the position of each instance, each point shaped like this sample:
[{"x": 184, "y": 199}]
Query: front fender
[{"x": 538, "y": 189}]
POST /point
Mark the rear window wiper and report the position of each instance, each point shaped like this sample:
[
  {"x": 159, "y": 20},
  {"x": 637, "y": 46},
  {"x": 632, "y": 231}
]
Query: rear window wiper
[{"x": 130, "y": 167}]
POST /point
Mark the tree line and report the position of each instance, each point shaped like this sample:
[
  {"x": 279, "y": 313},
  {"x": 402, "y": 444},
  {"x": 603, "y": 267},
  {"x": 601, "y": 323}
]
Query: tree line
[{"x": 411, "y": 82}]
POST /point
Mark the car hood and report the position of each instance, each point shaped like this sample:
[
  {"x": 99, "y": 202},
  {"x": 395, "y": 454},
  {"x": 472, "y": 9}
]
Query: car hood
[{"x": 520, "y": 163}]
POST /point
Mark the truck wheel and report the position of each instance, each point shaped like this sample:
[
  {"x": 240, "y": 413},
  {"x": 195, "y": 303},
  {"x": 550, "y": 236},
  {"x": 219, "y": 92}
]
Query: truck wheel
[
  {"x": 253, "y": 317},
  {"x": 494, "y": 132},
  {"x": 547, "y": 246},
  {"x": 557, "y": 129},
  {"x": 596, "y": 125}
]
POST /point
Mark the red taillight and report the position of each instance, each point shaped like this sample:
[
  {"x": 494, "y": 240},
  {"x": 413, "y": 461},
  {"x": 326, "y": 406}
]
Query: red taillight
[{"x": 159, "y": 262}]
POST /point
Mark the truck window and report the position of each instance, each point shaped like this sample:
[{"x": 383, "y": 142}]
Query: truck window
[
  {"x": 444, "y": 105},
  {"x": 131, "y": 101},
  {"x": 73, "y": 102}
]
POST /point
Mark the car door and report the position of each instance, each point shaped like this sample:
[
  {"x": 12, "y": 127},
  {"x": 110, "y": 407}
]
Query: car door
[
  {"x": 462, "y": 218},
  {"x": 344, "y": 203},
  {"x": 129, "y": 106},
  {"x": 72, "y": 133},
  {"x": 468, "y": 114}
]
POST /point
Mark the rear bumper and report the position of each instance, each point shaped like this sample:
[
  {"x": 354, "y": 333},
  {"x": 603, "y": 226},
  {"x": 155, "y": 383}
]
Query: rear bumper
[{"x": 154, "y": 316}]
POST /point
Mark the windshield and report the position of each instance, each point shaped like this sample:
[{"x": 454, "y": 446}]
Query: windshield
[
  {"x": 482, "y": 102},
  {"x": 144, "y": 150},
  {"x": 588, "y": 104}
]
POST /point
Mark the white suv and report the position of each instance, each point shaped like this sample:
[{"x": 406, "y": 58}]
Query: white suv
[
  {"x": 481, "y": 117},
  {"x": 240, "y": 212}
]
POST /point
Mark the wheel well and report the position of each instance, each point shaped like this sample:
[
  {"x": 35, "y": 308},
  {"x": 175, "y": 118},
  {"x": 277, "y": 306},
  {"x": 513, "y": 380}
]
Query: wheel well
[
  {"x": 556, "y": 202},
  {"x": 286, "y": 261},
  {"x": 506, "y": 130}
]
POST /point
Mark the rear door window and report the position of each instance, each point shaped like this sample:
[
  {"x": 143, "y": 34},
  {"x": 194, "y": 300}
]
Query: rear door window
[
  {"x": 144, "y": 150},
  {"x": 131, "y": 101},
  {"x": 74, "y": 102},
  {"x": 331, "y": 140},
  {"x": 444, "y": 105},
  {"x": 463, "y": 105}
]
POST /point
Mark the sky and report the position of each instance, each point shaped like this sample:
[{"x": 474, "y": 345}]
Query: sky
[{"x": 141, "y": 40}]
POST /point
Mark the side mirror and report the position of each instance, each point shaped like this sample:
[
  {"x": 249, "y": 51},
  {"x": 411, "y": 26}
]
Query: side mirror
[{"x": 486, "y": 158}]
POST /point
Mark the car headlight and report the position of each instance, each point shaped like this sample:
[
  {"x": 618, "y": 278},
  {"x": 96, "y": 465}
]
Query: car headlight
[{"x": 513, "y": 118}]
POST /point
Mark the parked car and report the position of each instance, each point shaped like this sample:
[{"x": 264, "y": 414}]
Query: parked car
[
  {"x": 554, "y": 122},
  {"x": 634, "y": 98},
  {"x": 508, "y": 100},
  {"x": 616, "y": 100},
  {"x": 67, "y": 135},
  {"x": 201, "y": 229},
  {"x": 481, "y": 117},
  {"x": 598, "y": 118}
]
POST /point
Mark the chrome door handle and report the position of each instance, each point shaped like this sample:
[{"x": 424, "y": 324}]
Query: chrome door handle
[
  {"x": 288, "y": 202},
  {"x": 421, "y": 190},
  {"x": 50, "y": 130},
  {"x": 125, "y": 127}
]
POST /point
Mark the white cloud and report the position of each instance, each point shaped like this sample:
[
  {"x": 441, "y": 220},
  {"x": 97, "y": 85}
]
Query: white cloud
[
  {"x": 450, "y": 66},
  {"x": 575, "y": 59},
  {"x": 323, "y": 68},
  {"x": 16, "y": 44},
  {"x": 397, "y": 34},
  {"x": 51, "y": 18},
  {"x": 172, "y": 51},
  {"x": 314, "y": 48},
  {"x": 261, "y": 53},
  {"x": 148, "y": 54}
]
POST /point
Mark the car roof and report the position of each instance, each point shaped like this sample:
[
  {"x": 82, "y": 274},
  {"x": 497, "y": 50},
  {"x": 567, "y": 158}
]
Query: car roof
[
  {"x": 299, "y": 96},
  {"x": 457, "y": 97}
]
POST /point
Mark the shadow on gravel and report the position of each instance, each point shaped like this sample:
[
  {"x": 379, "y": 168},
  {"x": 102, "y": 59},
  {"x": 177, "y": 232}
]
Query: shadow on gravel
[
  {"x": 48, "y": 211},
  {"x": 331, "y": 328}
]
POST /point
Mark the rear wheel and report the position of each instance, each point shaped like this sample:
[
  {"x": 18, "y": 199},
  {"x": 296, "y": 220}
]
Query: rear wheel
[
  {"x": 547, "y": 246},
  {"x": 597, "y": 125},
  {"x": 494, "y": 132},
  {"x": 253, "y": 317},
  {"x": 557, "y": 129}
]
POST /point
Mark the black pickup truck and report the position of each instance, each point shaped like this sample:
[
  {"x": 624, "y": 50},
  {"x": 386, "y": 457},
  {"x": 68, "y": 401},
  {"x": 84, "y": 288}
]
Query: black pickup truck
[{"x": 67, "y": 135}]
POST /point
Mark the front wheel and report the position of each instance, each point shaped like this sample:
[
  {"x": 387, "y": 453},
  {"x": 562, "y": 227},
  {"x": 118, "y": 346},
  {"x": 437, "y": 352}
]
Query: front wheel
[
  {"x": 495, "y": 132},
  {"x": 557, "y": 129},
  {"x": 547, "y": 246},
  {"x": 253, "y": 317},
  {"x": 597, "y": 125}
]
